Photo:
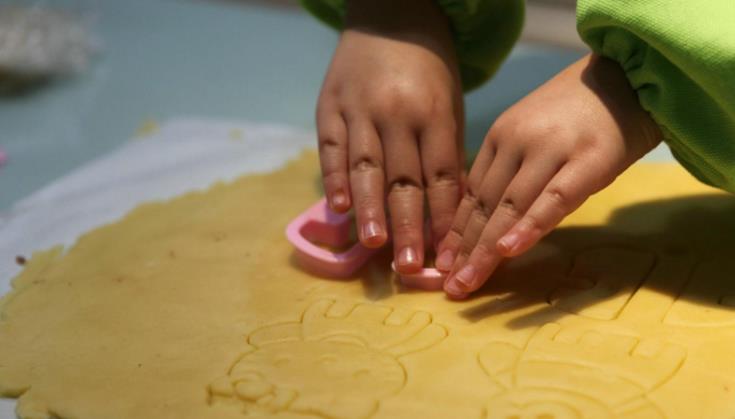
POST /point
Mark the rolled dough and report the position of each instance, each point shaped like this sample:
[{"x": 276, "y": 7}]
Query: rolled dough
[{"x": 194, "y": 308}]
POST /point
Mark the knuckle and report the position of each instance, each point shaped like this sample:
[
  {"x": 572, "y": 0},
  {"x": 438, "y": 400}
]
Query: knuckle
[
  {"x": 328, "y": 143},
  {"x": 483, "y": 209},
  {"x": 493, "y": 139},
  {"x": 479, "y": 208},
  {"x": 470, "y": 194},
  {"x": 506, "y": 126},
  {"x": 541, "y": 127},
  {"x": 510, "y": 208},
  {"x": 392, "y": 99},
  {"x": 559, "y": 198},
  {"x": 455, "y": 229},
  {"x": 330, "y": 90},
  {"x": 443, "y": 178},
  {"x": 500, "y": 129},
  {"x": 536, "y": 130},
  {"x": 404, "y": 184},
  {"x": 480, "y": 215},
  {"x": 589, "y": 147},
  {"x": 532, "y": 223},
  {"x": 405, "y": 100},
  {"x": 482, "y": 251},
  {"x": 365, "y": 163}
]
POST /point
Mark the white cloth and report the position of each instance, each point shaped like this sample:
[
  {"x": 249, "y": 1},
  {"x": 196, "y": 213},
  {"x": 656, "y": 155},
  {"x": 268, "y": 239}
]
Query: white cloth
[{"x": 182, "y": 155}]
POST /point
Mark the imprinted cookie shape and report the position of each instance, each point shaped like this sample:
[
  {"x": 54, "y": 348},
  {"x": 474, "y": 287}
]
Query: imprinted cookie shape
[
  {"x": 576, "y": 373},
  {"x": 338, "y": 361}
]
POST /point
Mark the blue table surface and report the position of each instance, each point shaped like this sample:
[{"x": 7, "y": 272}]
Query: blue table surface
[{"x": 167, "y": 58}]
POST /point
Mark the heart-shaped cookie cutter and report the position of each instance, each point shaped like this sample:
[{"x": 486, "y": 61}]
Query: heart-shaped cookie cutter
[{"x": 319, "y": 225}]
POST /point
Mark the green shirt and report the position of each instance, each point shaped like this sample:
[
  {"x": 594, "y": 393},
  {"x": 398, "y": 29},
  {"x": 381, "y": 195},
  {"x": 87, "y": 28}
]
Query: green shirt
[
  {"x": 484, "y": 31},
  {"x": 679, "y": 56}
]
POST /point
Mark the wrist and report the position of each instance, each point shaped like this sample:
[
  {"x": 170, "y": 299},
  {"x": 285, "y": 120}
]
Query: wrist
[
  {"x": 608, "y": 79},
  {"x": 420, "y": 22}
]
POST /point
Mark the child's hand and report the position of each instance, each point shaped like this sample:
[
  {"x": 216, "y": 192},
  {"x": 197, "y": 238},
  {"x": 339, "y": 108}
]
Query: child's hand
[
  {"x": 540, "y": 161},
  {"x": 390, "y": 120}
]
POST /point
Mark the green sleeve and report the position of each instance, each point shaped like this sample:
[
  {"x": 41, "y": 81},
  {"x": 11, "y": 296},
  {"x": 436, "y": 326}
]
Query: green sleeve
[
  {"x": 484, "y": 31},
  {"x": 679, "y": 56}
]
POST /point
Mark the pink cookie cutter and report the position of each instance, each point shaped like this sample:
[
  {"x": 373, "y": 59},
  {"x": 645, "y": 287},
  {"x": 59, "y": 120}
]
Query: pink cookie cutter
[
  {"x": 321, "y": 225},
  {"x": 429, "y": 279}
]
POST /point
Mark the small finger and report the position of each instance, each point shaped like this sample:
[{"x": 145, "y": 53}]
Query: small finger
[
  {"x": 462, "y": 162},
  {"x": 405, "y": 196},
  {"x": 564, "y": 194},
  {"x": 498, "y": 177},
  {"x": 441, "y": 171},
  {"x": 332, "y": 136},
  {"x": 367, "y": 183},
  {"x": 484, "y": 258},
  {"x": 449, "y": 247}
]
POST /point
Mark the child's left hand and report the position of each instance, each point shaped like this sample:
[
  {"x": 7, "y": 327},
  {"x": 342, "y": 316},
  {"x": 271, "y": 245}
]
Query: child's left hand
[{"x": 540, "y": 161}]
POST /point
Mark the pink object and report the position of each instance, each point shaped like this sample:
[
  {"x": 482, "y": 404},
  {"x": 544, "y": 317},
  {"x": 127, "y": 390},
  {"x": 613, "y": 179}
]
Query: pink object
[
  {"x": 429, "y": 279},
  {"x": 321, "y": 225},
  {"x": 3, "y": 157}
]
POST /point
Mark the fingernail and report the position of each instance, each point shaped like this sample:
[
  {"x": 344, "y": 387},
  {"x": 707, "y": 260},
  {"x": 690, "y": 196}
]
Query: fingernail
[
  {"x": 509, "y": 242},
  {"x": 445, "y": 260},
  {"x": 339, "y": 199},
  {"x": 407, "y": 256},
  {"x": 370, "y": 229},
  {"x": 451, "y": 288},
  {"x": 466, "y": 275}
]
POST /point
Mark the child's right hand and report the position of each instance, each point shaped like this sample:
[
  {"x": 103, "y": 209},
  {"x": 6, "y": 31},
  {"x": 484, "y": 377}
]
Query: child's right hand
[
  {"x": 390, "y": 121},
  {"x": 540, "y": 161}
]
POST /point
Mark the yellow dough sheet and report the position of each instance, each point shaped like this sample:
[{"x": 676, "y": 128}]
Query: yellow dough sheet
[{"x": 194, "y": 308}]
